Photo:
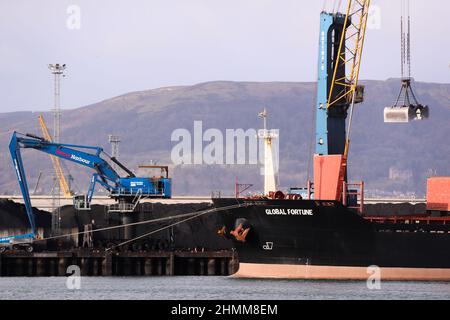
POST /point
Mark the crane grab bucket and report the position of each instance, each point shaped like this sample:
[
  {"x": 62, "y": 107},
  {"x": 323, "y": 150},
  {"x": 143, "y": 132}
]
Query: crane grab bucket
[
  {"x": 405, "y": 114},
  {"x": 406, "y": 107}
]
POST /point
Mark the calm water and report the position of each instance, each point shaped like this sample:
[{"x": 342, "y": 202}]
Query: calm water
[{"x": 214, "y": 288}]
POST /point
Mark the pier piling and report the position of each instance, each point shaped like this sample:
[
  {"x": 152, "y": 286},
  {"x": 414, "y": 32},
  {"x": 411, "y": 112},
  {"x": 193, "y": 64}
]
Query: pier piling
[{"x": 106, "y": 263}]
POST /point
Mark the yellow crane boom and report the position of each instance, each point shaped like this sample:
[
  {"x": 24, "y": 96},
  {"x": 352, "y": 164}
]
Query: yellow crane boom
[
  {"x": 349, "y": 54},
  {"x": 344, "y": 88},
  {"x": 55, "y": 161}
]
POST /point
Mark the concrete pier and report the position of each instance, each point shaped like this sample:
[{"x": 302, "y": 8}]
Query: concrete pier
[
  {"x": 201, "y": 267},
  {"x": 106, "y": 263},
  {"x": 95, "y": 267},
  {"x": 223, "y": 267},
  {"x": 233, "y": 264},
  {"x": 61, "y": 266},
  {"x": 211, "y": 267},
  {"x": 191, "y": 266},
  {"x": 40, "y": 270},
  {"x": 159, "y": 270},
  {"x": 170, "y": 265},
  {"x": 148, "y": 267},
  {"x": 30, "y": 267}
]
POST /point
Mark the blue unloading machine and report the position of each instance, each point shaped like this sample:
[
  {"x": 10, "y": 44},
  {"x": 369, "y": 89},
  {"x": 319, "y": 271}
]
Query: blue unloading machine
[{"x": 127, "y": 191}]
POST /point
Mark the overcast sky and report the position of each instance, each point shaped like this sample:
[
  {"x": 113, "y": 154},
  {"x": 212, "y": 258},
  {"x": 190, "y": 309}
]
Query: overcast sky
[{"x": 124, "y": 46}]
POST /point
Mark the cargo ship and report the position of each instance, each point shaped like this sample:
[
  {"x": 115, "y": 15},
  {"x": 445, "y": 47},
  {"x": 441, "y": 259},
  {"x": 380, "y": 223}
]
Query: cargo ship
[
  {"x": 317, "y": 239},
  {"x": 321, "y": 231}
]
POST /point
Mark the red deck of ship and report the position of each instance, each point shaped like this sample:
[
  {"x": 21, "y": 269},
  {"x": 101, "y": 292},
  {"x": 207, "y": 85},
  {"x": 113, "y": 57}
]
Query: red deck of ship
[{"x": 410, "y": 219}]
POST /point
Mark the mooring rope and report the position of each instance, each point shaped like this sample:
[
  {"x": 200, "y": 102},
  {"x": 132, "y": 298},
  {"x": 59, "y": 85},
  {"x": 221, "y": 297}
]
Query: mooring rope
[
  {"x": 176, "y": 223},
  {"x": 152, "y": 232},
  {"x": 190, "y": 215}
]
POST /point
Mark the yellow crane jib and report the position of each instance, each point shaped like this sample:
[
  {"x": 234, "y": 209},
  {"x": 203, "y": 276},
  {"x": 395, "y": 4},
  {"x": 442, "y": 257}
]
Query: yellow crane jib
[
  {"x": 55, "y": 162},
  {"x": 344, "y": 88}
]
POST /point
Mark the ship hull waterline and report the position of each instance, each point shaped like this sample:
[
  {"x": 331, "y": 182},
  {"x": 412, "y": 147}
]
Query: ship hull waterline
[{"x": 311, "y": 272}]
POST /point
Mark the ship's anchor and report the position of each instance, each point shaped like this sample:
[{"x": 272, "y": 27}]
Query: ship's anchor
[{"x": 240, "y": 233}]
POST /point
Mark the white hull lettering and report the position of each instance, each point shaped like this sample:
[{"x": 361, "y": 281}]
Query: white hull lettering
[{"x": 290, "y": 212}]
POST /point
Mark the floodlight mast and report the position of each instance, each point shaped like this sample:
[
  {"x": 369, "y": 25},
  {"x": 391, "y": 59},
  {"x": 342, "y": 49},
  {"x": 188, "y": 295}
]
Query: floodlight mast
[{"x": 57, "y": 70}]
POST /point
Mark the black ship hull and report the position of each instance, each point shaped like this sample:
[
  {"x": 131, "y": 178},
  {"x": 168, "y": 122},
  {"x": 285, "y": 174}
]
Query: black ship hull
[{"x": 325, "y": 240}]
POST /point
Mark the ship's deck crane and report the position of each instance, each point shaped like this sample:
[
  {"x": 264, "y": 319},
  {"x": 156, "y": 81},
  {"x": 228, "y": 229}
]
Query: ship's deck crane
[
  {"x": 340, "y": 52},
  {"x": 127, "y": 191}
]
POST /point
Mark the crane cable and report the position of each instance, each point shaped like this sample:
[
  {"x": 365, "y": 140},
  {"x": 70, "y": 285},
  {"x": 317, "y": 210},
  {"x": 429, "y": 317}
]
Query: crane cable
[
  {"x": 190, "y": 215},
  {"x": 177, "y": 223},
  {"x": 155, "y": 231},
  {"x": 336, "y": 6}
]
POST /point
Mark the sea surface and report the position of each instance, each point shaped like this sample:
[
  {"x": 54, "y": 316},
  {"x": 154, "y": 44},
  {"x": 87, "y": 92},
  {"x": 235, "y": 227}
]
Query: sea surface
[{"x": 217, "y": 288}]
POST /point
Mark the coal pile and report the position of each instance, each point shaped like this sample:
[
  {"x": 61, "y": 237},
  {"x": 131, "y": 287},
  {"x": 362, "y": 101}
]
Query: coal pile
[
  {"x": 14, "y": 215},
  {"x": 394, "y": 209},
  {"x": 198, "y": 233}
]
